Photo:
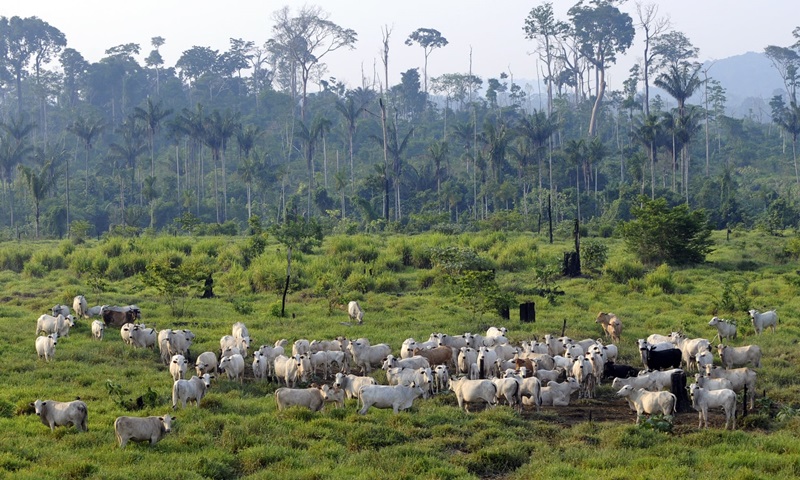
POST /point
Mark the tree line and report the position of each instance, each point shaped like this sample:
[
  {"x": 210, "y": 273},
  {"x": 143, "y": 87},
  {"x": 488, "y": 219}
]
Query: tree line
[{"x": 129, "y": 143}]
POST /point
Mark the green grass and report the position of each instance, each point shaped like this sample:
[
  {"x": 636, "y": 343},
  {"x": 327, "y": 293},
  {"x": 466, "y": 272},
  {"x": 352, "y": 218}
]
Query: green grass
[{"x": 238, "y": 433}]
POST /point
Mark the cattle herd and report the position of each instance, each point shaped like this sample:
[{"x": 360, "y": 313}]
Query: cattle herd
[{"x": 477, "y": 368}]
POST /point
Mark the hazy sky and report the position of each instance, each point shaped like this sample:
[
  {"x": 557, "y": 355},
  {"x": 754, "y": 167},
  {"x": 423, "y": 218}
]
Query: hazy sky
[{"x": 494, "y": 30}]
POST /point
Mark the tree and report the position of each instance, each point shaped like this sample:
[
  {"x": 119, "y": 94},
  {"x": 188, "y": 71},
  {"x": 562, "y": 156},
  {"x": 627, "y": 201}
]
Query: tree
[
  {"x": 787, "y": 62},
  {"x": 175, "y": 278},
  {"x": 541, "y": 25},
  {"x": 653, "y": 27},
  {"x": 301, "y": 42},
  {"x": 126, "y": 152},
  {"x": 309, "y": 136},
  {"x": 351, "y": 109},
  {"x": 788, "y": 118},
  {"x": 40, "y": 180},
  {"x": 429, "y": 39},
  {"x": 14, "y": 149},
  {"x": 296, "y": 233},
  {"x": 661, "y": 234},
  {"x": 647, "y": 133},
  {"x": 246, "y": 138},
  {"x": 154, "y": 60},
  {"x": 602, "y": 31},
  {"x": 437, "y": 151},
  {"x": 152, "y": 116}
]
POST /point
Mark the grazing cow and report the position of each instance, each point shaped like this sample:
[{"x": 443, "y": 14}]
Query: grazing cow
[
  {"x": 233, "y": 365},
  {"x": 98, "y": 329},
  {"x": 762, "y": 320},
  {"x": 473, "y": 391},
  {"x": 206, "y": 362},
  {"x": 46, "y": 346},
  {"x": 703, "y": 399},
  {"x": 94, "y": 311},
  {"x": 355, "y": 312},
  {"x": 612, "y": 370},
  {"x": 739, "y": 356},
  {"x": 725, "y": 328},
  {"x": 660, "y": 359},
  {"x": 57, "y": 414},
  {"x": 143, "y": 337},
  {"x": 59, "y": 324},
  {"x": 739, "y": 378},
  {"x": 645, "y": 382},
  {"x": 177, "y": 367},
  {"x": 556, "y": 394},
  {"x": 712, "y": 383},
  {"x": 648, "y": 402},
  {"x": 142, "y": 429},
  {"x": 80, "y": 307},
  {"x": 59, "y": 309},
  {"x": 366, "y": 355},
  {"x": 117, "y": 316},
  {"x": 612, "y": 326},
  {"x": 312, "y": 398},
  {"x": 689, "y": 348},
  {"x": 192, "y": 390},
  {"x": 351, "y": 384},
  {"x": 397, "y": 397}
]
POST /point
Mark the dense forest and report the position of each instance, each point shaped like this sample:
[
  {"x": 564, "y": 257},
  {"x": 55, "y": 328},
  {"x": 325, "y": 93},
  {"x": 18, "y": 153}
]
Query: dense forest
[{"x": 130, "y": 144}]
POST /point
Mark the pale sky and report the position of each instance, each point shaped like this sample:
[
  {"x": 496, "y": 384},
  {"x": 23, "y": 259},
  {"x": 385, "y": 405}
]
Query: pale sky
[{"x": 494, "y": 30}]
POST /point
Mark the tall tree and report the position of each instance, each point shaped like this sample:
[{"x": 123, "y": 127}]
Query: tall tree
[
  {"x": 14, "y": 149},
  {"x": 300, "y": 42},
  {"x": 152, "y": 116},
  {"x": 40, "y": 180},
  {"x": 788, "y": 118},
  {"x": 309, "y": 135},
  {"x": 647, "y": 133},
  {"x": 602, "y": 31},
  {"x": 542, "y": 26},
  {"x": 126, "y": 152},
  {"x": 155, "y": 60},
  {"x": 653, "y": 26},
  {"x": 351, "y": 109},
  {"x": 429, "y": 39},
  {"x": 217, "y": 130}
]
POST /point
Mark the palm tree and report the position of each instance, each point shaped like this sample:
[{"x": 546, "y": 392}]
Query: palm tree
[
  {"x": 788, "y": 118},
  {"x": 246, "y": 139},
  {"x": 152, "y": 117},
  {"x": 88, "y": 130},
  {"x": 647, "y": 132},
  {"x": 150, "y": 194},
  {"x": 308, "y": 137},
  {"x": 437, "y": 151},
  {"x": 576, "y": 151},
  {"x": 126, "y": 152},
  {"x": 13, "y": 150},
  {"x": 351, "y": 110},
  {"x": 39, "y": 181},
  {"x": 538, "y": 128}
]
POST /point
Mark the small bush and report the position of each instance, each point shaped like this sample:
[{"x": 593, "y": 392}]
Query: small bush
[
  {"x": 621, "y": 271},
  {"x": 426, "y": 279},
  {"x": 359, "y": 282},
  {"x": 14, "y": 259},
  {"x": 387, "y": 283},
  {"x": 662, "y": 279},
  {"x": 594, "y": 254}
]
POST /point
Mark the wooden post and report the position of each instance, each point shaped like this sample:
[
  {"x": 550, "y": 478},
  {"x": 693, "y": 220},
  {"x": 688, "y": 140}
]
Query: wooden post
[
  {"x": 744, "y": 402},
  {"x": 564, "y": 327},
  {"x": 550, "y": 218}
]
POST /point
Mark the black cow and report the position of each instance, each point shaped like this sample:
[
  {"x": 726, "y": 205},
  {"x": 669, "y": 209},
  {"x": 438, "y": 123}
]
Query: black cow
[
  {"x": 611, "y": 370},
  {"x": 662, "y": 359}
]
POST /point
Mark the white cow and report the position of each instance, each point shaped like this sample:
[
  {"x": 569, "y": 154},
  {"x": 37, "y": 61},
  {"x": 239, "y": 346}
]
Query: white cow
[
  {"x": 355, "y": 312},
  {"x": 49, "y": 324},
  {"x": 657, "y": 338},
  {"x": 661, "y": 379},
  {"x": 739, "y": 378},
  {"x": 311, "y": 398},
  {"x": 473, "y": 391},
  {"x": 397, "y": 397},
  {"x": 179, "y": 341},
  {"x": 239, "y": 331},
  {"x": 466, "y": 357},
  {"x": 612, "y": 326},
  {"x": 703, "y": 359},
  {"x": 57, "y": 414},
  {"x": 287, "y": 369},
  {"x": 689, "y": 348},
  {"x": 333, "y": 395},
  {"x": 46, "y": 346},
  {"x": 259, "y": 365},
  {"x": 233, "y": 365},
  {"x": 487, "y": 362},
  {"x": 703, "y": 399},
  {"x": 739, "y": 356},
  {"x": 143, "y": 337},
  {"x": 94, "y": 311},
  {"x": 98, "y": 329},
  {"x": 646, "y": 382},
  {"x": 125, "y": 333},
  {"x": 508, "y": 388},
  {"x": 59, "y": 309},
  {"x": 762, "y": 320},
  {"x": 712, "y": 383},
  {"x": 555, "y": 394},
  {"x": 80, "y": 307},
  {"x": 206, "y": 362},
  {"x": 441, "y": 376},
  {"x": 192, "y": 390},
  {"x": 529, "y": 387},
  {"x": 177, "y": 367},
  {"x": 725, "y": 328},
  {"x": 411, "y": 362},
  {"x": 366, "y": 355},
  {"x": 163, "y": 345},
  {"x": 270, "y": 353},
  {"x": 351, "y": 384},
  {"x": 141, "y": 429},
  {"x": 228, "y": 342},
  {"x": 644, "y": 401}
]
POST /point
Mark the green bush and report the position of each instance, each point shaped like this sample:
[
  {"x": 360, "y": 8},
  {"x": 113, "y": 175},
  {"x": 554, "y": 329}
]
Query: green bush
[
  {"x": 359, "y": 282},
  {"x": 662, "y": 279},
  {"x": 621, "y": 271},
  {"x": 387, "y": 283},
  {"x": 594, "y": 254},
  {"x": 515, "y": 255},
  {"x": 14, "y": 258}
]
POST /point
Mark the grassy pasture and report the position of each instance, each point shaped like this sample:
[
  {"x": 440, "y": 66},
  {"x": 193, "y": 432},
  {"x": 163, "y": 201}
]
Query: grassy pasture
[{"x": 238, "y": 433}]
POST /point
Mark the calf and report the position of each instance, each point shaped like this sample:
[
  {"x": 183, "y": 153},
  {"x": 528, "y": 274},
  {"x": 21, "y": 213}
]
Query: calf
[
  {"x": 46, "y": 346},
  {"x": 56, "y": 414},
  {"x": 703, "y": 399},
  {"x": 177, "y": 367},
  {"x": 206, "y": 362},
  {"x": 612, "y": 370},
  {"x": 147, "y": 429},
  {"x": 98, "y": 329},
  {"x": 648, "y": 402}
]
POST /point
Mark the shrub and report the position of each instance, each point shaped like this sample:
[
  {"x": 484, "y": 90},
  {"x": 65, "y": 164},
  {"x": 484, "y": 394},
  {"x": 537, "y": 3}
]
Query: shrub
[
  {"x": 516, "y": 255},
  {"x": 662, "y": 279},
  {"x": 594, "y": 254},
  {"x": 14, "y": 259},
  {"x": 386, "y": 283},
  {"x": 359, "y": 282},
  {"x": 623, "y": 270}
]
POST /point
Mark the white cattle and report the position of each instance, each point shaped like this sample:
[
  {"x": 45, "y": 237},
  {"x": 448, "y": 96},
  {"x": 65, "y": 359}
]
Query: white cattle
[
  {"x": 535, "y": 347},
  {"x": 397, "y": 397},
  {"x": 259, "y": 365},
  {"x": 192, "y": 390},
  {"x": 301, "y": 347},
  {"x": 703, "y": 359},
  {"x": 179, "y": 341},
  {"x": 143, "y": 337},
  {"x": 351, "y": 384},
  {"x": 406, "y": 376},
  {"x": 311, "y": 398},
  {"x": 60, "y": 324},
  {"x": 141, "y": 429},
  {"x": 689, "y": 348},
  {"x": 582, "y": 371},
  {"x": 98, "y": 329},
  {"x": 59, "y": 309},
  {"x": 712, "y": 383},
  {"x": 270, "y": 353},
  {"x": 473, "y": 391},
  {"x": 355, "y": 312},
  {"x": 496, "y": 332},
  {"x": 46, "y": 346},
  {"x": 658, "y": 338},
  {"x": 555, "y": 394},
  {"x": 57, "y": 414},
  {"x": 725, "y": 328},
  {"x": 287, "y": 369},
  {"x": 546, "y": 376},
  {"x": 508, "y": 388},
  {"x": 739, "y": 356},
  {"x": 739, "y": 378},
  {"x": 654, "y": 347},
  {"x": 645, "y": 382},
  {"x": 556, "y": 345},
  {"x": 444, "y": 340},
  {"x": 529, "y": 387},
  {"x": 94, "y": 311},
  {"x": 487, "y": 366},
  {"x": 177, "y": 367},
  {"x": 125, "y": 333},
  {"x": 366, "y": 355},
  {"x": 644, "y": 401},
  {"x": 441, "y": 376},
  {"x": 661, "y": 379},
  {"x": 228, "y": 342},
  {"x": 333, "y": 395},
  {"x": 80, "y": 307},
  {"x": 703, "y": 399},
  {"x": 239, "y": 331},
  {"x": 763, "y": 320},
  {"x": 163, "y": 345},
  {"x": 466, "y": 357},
  {"x": 412, "y": 362},
  {"x": 206, "y": 362},
  {"x": 612, "y": 326},
  {"x": 233, "y": 366}
]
